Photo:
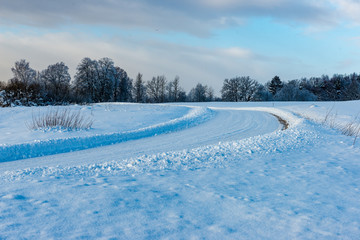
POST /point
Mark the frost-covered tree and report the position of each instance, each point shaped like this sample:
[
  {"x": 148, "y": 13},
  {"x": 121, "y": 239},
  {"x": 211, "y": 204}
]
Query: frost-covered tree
[
  {"x": 262, "y": 94},
  {"x": 198, "y": 93},
  {"x": 23, "y": 73},
  {"x": 24, "y": 88},
  {"x": 239, "y": 89},
  {"x": 248, "y": 88},
  {"x": 231, "y": 90},
  {"x": 56, "y": 79},
  {"x": 156, "y": 89},
  {"x": 317, "y": 86},
  {"x": 139, "y": 89},
  {"x": 292, "y": 91}
]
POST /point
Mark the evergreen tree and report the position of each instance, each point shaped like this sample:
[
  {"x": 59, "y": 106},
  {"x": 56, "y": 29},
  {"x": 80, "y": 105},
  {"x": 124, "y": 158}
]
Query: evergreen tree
[{"x": 275, "y": 85}]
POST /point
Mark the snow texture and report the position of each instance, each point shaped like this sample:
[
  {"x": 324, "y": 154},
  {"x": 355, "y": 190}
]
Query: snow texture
[{"x": 233, "y": 175}]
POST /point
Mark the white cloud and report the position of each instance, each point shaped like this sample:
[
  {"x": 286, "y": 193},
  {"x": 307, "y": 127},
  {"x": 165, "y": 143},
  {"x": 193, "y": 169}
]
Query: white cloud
[
  {"x": 237, "y": 52},
  {"x": 349, "y": 9},
  {"x": 150, "y": 57}
]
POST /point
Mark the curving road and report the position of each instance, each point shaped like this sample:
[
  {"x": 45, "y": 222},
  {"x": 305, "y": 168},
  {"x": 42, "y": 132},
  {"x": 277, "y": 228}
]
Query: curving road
[{"x": 227, "y": 125}]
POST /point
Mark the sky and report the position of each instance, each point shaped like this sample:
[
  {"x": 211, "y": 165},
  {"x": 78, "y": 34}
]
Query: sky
[{"x": 203, "y": 41}]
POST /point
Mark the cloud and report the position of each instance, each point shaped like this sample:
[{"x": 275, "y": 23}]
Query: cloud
[
  {"x": 237, "y": 52},
  {"x": 242, "y": 3},
  {"x": 195, "y": 17},
  {"x": 150, "y": 57},
  {"x": 349, "y": 9}
]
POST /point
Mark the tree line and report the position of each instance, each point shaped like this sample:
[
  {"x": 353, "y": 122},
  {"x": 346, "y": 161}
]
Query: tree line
[
  {"x": 324, "y": 88},
  {"x": 94, "y": 81},
  {"x": 102, "y": 81}
]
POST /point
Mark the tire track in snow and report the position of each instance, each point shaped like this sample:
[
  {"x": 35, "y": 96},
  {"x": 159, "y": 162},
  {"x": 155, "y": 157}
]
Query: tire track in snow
[
  {"x": 227, "y": 125},
  {"x": 196, "y": 116},
  {"x": 218, "y": 155}
]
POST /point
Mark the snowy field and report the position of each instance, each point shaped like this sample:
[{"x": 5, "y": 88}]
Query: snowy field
[{"x": 183, "y": 171}]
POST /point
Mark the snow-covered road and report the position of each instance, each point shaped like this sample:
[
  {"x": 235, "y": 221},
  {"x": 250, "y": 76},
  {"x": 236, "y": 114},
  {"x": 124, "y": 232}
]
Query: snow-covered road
[{"x": 223, "y": 125}]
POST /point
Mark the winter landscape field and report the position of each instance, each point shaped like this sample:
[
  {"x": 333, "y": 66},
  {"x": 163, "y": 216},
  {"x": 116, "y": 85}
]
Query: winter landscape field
[{"x": 183, "y": 171}]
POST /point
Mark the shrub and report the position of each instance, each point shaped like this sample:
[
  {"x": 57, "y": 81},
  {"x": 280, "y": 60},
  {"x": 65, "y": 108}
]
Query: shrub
[
  {"x": 352, "y": 129},
  {"x": 60, "y": 118}
]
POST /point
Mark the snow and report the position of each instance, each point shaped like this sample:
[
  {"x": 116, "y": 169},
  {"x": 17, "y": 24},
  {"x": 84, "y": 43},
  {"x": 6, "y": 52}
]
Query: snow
[
  {"x": 60, "y": 145},
  {"x": 201, "y": 171},
  {"x": 108, "y": 118}
]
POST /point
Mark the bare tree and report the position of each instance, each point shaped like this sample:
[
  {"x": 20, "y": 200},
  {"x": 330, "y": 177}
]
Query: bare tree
[
  {"x": 23, "y": 72},
  {"x": 209, "y": 94},
  {"x": 156, "y": 89},
  {"x": 85, "y": 85},
  {"x": 248, "y": 88},
  {"x": 106, "y": 79},
  {"x": 174, "y": 92},
  {"x": 239, "y": 89},
  {"x": 139, "y": 90},
  {"x": 198, "y": 93},
  {"x": 56, "y": 79},
  {"x": 124, "y": 88},
  {"x": 231, "y": 90}
]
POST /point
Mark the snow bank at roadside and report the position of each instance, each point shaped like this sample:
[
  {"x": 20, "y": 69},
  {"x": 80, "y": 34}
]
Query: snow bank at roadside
[
  {"x": 195, "y": 116},
  {"x": 286, "y": 115},
  {"x": 213, "y": 156},
  {"x": 335, "y": 115}
]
